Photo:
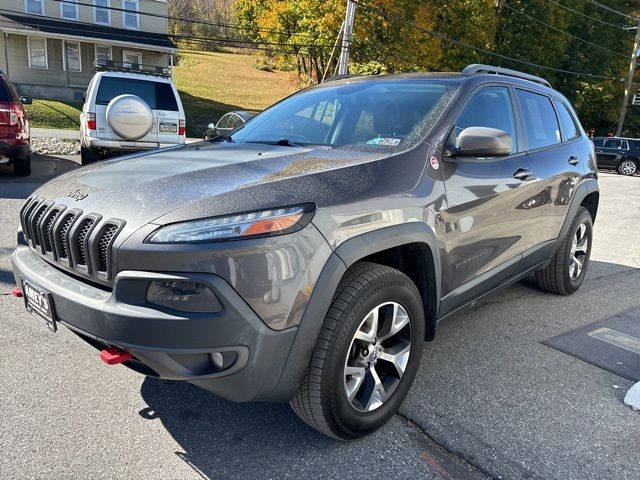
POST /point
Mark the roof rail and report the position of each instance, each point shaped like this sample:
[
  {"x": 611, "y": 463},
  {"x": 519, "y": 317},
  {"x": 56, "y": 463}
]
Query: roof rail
[
  {"x": 104, "y": 65},
  {"x": 479, "y": 69},
  {"x": 338, "y": 77}
]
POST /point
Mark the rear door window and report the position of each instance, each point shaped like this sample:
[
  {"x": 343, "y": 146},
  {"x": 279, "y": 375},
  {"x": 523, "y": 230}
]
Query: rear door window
[
  {"x": 158, "y": 95},
  {"x": 598, "y": 143},
  {"x": 490, "y": 107},
  {"x": 616, "y": 144},
  {"x": 165, "y": 98},
  {"x": 540, "y": 121},
  {"x": 568, "y": 124}
]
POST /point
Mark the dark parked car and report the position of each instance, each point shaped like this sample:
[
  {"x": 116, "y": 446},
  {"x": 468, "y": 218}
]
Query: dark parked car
[
  {"x": 228, "y": 122},
  {"x": 616, "y": 153},
  {"x": 15, "y": 134},
  {"x": 308, "y": 256}
]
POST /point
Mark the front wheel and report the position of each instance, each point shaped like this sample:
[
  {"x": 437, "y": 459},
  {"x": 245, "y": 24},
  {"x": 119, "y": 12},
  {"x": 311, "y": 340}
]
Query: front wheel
[
  {"x": 566, "y": 272},
  {"x": 366, "y": 355},
  {"x": 627, "y": 167}
]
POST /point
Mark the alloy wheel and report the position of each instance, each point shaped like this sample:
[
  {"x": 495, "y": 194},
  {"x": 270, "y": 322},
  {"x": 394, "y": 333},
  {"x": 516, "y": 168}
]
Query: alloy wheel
[
  {"x": 377, "y": 357},
  {"x": 628, "y": 168},
  {"x": 579, "y": 250}
]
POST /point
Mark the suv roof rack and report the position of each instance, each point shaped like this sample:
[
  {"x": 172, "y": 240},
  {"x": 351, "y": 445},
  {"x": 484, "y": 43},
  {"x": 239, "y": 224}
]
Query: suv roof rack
[
  {"x": 480, "y": 69},
  {"x": 104, "y": 65}
]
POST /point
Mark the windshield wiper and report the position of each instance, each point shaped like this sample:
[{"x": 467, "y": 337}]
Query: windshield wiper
[{"x": 285, "y": 142}]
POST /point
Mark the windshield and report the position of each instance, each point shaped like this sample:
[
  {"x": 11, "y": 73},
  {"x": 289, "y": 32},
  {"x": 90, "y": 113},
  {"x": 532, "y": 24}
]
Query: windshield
[{"x": 383, "y": 114}]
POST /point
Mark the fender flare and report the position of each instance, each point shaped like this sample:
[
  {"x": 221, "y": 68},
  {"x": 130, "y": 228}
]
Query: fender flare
[
  {"x": 585, "y": 188},
  {"x": 347, "y": 253}
]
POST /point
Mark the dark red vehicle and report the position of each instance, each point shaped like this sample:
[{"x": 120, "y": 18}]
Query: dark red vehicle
[{"x": 14, "y": 129}]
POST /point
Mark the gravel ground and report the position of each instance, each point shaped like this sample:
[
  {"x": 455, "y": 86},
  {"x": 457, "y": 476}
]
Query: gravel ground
[
  {"x": 489, "y": 401},
  {"x": 55, "y": 146}
]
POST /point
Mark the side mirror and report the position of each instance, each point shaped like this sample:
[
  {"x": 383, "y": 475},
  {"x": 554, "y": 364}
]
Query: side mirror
[
  {"x": 483, "y": 142},
  {"x": 211, "y": 126},
  {"x": 79, "y": 97},
  {"x": 26, "y": 100}
]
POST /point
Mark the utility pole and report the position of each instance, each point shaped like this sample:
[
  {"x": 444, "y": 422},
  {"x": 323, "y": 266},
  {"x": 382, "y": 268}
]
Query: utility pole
[
  {"x": 629, "y": 85},
  {"x": 343, "y": 66},
  {"x": 333, "y": 52}
]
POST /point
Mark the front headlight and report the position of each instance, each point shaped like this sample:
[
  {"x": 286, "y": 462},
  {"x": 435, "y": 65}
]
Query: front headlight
[{"x": 276, "y": 221}]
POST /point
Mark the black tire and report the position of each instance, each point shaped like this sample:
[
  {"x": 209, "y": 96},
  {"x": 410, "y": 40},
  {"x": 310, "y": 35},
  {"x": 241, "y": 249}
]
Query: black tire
[
  {"x": 628, "y": 167},
  {"x": 321, "y": 400},
  {"x": 88, "y": 155},
  {"x": 22, "y": 166},
  {"x": 557, "y": 277}
]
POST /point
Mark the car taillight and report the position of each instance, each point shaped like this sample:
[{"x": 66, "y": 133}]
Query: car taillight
[
  {"x": 182, "y": 128},
  {"x": 91, "y": 121}
]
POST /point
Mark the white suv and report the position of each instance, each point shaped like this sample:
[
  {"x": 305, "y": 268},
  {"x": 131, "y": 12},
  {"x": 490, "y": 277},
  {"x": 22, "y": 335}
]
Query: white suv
[{"x": 126, "y": 111}]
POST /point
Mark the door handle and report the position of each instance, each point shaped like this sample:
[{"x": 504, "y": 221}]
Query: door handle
[
  {"x": 574, "y": 160},
  {"x": 522, "y": 174}
]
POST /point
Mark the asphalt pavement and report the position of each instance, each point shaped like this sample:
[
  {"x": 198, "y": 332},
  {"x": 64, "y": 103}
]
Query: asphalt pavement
[{"x": 489, "y": 401}]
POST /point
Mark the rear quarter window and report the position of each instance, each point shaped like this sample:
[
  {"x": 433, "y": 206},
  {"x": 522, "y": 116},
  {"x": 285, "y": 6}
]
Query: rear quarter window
[
  {"x": 568, "y": 124},
  {"x": 7, "y": 94}
]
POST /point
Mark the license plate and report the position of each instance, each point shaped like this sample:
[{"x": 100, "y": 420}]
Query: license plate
[
  {"x": 39, "y": 303},
  {"x": 168, "y": 128}
]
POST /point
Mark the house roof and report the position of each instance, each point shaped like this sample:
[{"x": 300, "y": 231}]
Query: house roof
[{"x": 65, "y": 28}]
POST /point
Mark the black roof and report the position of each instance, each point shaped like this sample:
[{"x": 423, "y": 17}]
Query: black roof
[{"x": 99, "y": 32}]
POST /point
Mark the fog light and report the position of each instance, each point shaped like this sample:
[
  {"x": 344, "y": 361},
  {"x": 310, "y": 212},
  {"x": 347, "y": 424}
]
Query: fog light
[
  {"x": 184, "y": 296},
  {"x": 217, "y": 359}
]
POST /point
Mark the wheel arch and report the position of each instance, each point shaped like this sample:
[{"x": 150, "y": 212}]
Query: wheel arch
[{"x": 410, "y": 248}]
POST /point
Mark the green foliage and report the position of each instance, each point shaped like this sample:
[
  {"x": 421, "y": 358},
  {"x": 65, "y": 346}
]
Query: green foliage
[{"x": 543, "y": 32}]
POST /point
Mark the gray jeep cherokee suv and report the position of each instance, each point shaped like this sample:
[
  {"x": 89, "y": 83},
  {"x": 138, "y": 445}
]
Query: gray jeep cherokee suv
[{"x": 307, "y": 255}]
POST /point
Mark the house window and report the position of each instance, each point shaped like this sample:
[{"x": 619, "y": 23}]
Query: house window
[
  {"x": 35, "y": 7},
  {"x": 129, "y": 59},
  {"x": 101, "y": 12},
  {"x": 103, "y": 52},
  {"x": 72, "y": 59},
  {"x": 130, "y": 14},
  {"x": 37, "y": 47},
  {"x": 69, "y": 9}
]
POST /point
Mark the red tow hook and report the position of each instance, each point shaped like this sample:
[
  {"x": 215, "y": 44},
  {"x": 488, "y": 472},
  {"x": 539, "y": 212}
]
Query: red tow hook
[
  {"x": 16, "y": 292},
  {"x": 114, "y": 356}
]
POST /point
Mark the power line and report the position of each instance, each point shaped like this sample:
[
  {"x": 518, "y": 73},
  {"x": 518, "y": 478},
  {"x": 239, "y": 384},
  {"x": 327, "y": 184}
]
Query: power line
[
  {"x": 222, "y": 41},
  {"x": 586, "y": 16},
  {"x": 563, "y": 32},
  {"x": 195, "y": 21},
  {"x": 459, "y": 43},
  {"x": 612, "y": 10}
]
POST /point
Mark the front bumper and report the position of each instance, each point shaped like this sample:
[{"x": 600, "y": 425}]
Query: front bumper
[{"x": 166, "y": 343}]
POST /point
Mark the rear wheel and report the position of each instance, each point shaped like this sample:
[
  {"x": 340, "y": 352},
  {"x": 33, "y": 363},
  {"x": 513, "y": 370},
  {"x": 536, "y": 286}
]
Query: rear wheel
[
  {"x": 22, "y": 166},
  {"x": 627, "y": 167},
  {"x": 567, "y": 270},
  {"x": 366, "y": 355},
  {"x": 88, "y": 155}
]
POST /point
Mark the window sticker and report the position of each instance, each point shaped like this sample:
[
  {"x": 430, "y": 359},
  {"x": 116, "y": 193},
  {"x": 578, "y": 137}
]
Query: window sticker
[{"x": 391, "y": 142}]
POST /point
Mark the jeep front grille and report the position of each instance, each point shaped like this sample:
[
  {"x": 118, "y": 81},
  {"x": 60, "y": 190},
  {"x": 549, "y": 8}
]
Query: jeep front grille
[{"x": 70, "y": 238}]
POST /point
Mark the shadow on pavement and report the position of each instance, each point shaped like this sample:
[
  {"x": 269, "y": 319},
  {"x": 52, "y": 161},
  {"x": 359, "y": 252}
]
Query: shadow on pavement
[
  {"x": 220, "y": 436},
  {"x": 43, "y": 169},
  {"x": 256, "y": 440}
]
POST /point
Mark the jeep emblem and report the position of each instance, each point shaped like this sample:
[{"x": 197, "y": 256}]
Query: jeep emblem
[{"x": 77, "y": 195}]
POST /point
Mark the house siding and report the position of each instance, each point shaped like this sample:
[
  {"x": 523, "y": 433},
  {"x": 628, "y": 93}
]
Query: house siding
[
  {"x": 56, "y": 83},
  {"x": 85, "y": 13},
  {"x": 31, "y": 80}
]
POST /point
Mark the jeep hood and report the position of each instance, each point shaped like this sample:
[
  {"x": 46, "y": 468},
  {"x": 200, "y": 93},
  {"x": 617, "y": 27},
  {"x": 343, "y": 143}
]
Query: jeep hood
[{"x": 204, "y": 179}]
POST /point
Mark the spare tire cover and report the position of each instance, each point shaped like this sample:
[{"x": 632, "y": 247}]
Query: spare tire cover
[{"x": 129, "y": 117}]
